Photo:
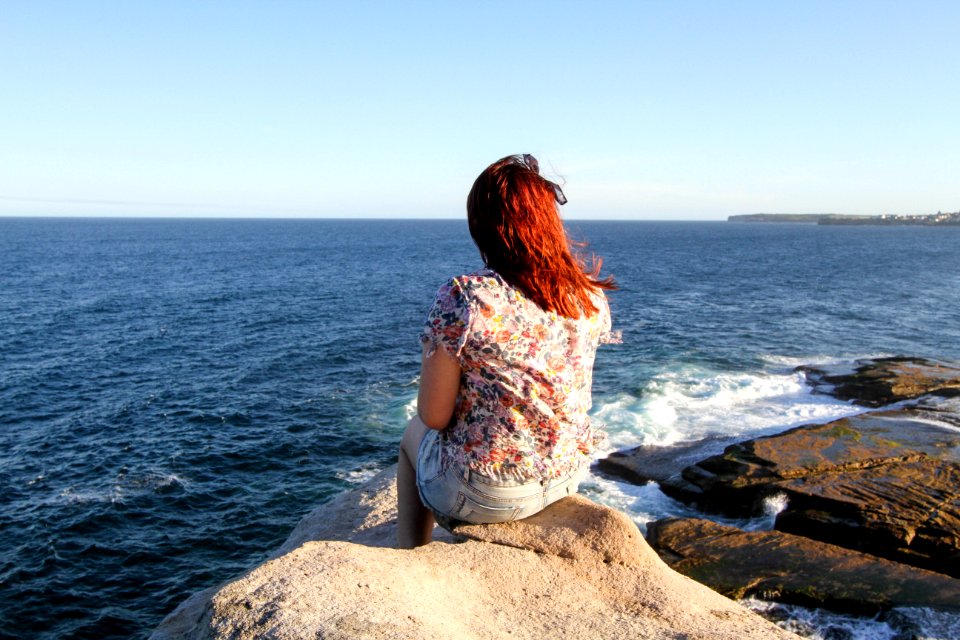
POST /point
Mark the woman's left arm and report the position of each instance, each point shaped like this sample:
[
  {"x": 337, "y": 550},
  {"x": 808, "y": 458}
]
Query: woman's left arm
[{"x": 439, "y": 384}]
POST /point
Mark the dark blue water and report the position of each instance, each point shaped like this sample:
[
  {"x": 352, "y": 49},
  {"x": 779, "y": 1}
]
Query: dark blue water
[{"x": 176, "y": 394}]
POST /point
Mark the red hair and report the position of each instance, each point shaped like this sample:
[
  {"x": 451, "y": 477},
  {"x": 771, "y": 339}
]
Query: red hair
[{"x": 514, "y": 221}]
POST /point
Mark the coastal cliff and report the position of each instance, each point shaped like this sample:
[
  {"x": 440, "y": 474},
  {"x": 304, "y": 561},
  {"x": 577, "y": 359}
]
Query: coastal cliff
[
  {"x": 576, "y": 570},
  {"x": 927, "y": 220}
]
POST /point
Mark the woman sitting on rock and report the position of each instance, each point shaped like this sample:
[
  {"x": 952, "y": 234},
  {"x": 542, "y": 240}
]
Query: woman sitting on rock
[{"x": 501, "y": 429}]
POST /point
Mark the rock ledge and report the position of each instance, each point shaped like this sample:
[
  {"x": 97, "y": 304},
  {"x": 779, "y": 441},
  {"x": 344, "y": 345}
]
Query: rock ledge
[{"x": 577, "y": 570}]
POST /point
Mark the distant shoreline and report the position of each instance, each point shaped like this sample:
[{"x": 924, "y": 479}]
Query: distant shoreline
[{"x": 935, "y": 219}]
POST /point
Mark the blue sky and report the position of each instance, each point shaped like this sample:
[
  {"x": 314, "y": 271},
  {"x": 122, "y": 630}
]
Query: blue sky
[{"x": 646, "y": 110}]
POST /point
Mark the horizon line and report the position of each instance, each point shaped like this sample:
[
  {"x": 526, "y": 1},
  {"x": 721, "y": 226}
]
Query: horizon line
[{"x": 339, "y": 218}]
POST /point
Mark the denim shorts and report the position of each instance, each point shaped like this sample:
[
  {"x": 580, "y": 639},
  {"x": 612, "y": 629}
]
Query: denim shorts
[{"x": 456, "y": 494}]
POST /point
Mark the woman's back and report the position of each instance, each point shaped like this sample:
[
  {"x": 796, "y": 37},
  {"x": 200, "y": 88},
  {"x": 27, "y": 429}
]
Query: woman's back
[{"x": 522, "y": 405}]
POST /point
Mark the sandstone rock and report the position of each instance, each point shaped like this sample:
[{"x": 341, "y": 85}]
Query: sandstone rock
[
  {"x": 663, "y": 464},
  {"x": 366, "y": 516},
  {"x": 886, "y": 482},
  {"x": 577, "y": 570},
  {"x": 732, "y": 481},
  {"x": 908, "y": 512},
  {"x": 575, "y": 528},
  {"x": 883, "y": 381},
  {"x": 779, "y": 566}
]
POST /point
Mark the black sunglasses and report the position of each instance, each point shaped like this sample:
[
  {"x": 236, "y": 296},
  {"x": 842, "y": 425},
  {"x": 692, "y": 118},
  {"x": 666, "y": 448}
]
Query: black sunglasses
[{"x": 532, "y": 164}]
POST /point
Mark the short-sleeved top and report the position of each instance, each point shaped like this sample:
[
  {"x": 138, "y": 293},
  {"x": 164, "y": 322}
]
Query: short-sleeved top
[{"x": 526, "y": 374}]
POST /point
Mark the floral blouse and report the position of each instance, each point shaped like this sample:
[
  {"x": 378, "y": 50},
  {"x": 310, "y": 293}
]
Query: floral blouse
[{"x": 521, "y": 410}]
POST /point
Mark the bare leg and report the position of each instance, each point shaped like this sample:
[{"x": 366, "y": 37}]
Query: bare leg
[{"x": 414, "y": 521}]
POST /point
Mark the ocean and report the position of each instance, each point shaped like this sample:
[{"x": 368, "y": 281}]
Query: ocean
[{"x": 176, "y": 394}]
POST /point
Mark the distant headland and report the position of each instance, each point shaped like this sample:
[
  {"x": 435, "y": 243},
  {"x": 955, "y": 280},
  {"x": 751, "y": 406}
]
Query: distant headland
[{"x": 934, "y": 219}]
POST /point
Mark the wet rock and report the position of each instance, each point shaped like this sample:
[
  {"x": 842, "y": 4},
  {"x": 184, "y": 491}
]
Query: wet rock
[
  {"x": 886, "y": 482},
  {"x": 883, "y": 381},
  {"x": 906, "y": 628},
  {"x": 908, "y": 512},
  {"x": 792, "y": 569},
  {"x": 662, "y": 464}
]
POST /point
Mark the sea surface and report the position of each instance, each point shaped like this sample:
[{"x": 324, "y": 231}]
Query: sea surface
[{"x": 176, "y": 394}]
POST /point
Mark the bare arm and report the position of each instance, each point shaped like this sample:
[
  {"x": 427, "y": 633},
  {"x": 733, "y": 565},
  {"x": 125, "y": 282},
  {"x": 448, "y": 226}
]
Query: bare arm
[{"x": 439, "y": 383}]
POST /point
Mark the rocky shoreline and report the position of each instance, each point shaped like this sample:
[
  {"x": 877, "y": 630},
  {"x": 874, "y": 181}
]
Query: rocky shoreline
[
  {"x": 872, "y": 501},
  {"x": 871, "y": 521},
  {"x": 576, "y": 570}
]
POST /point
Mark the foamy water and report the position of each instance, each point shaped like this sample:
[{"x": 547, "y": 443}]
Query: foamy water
[
  {"x": 916, "y": 623},
  {"x": 691, "y": 403}
]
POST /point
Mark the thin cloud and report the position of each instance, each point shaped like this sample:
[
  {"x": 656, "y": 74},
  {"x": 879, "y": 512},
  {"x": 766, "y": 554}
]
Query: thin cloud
[{"x": 112, "y": 202}]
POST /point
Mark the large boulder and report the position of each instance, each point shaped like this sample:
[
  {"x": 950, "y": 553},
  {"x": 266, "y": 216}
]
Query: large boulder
[
  {"x": 783, "y": 567},
  {"x": 577, "y": 570}
]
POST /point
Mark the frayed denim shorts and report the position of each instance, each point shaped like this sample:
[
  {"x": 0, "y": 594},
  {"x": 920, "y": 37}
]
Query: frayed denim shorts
[{"x": 456, "y": 494}]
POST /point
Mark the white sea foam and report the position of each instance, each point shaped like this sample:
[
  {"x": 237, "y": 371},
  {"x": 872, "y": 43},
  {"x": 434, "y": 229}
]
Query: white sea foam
[
  {"x": 359, "y": 476},
  {"x": 772, "y": 506},
  {"x": 164, "y": 481},
  {"x": 72, "y": 495},
  {"x": 819, "y": 624},
  {"x": 795, "y": 361},
  {"x": 410, "y": 409},
  {"x": 125, "y": 486},
  {"x": 932, "y": 624},
  {"x": 934, "y": 423},
  {"x": 822, "y": 360},
  {"x": 775, "y": 504},
  {"x": 644, "y": 503},
  {"x": 692, "y": 403}
]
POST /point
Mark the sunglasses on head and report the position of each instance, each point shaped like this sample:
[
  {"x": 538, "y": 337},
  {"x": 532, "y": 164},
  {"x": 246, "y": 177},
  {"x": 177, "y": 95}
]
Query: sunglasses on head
[{"x": 531, "y": 163}]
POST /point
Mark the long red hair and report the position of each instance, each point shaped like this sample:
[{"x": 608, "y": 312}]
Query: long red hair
[{"x": 514, "y": 221}]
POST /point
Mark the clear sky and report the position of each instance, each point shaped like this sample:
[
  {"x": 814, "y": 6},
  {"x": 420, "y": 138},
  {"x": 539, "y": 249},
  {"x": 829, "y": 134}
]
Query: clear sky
[{"x": 647, "y": 110}]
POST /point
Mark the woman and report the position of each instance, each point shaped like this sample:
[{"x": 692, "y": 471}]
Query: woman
[{"x": 501, "y": 429}]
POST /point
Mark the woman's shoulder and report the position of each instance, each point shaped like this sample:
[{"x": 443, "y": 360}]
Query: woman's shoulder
[
  {"x": 473, "y": 283},
  {"x": 481, "y": 278},
  {"x": 599, "y": 298},
  {"x": 484, "y": 293},
  {"x": 603, "y": 320}
]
